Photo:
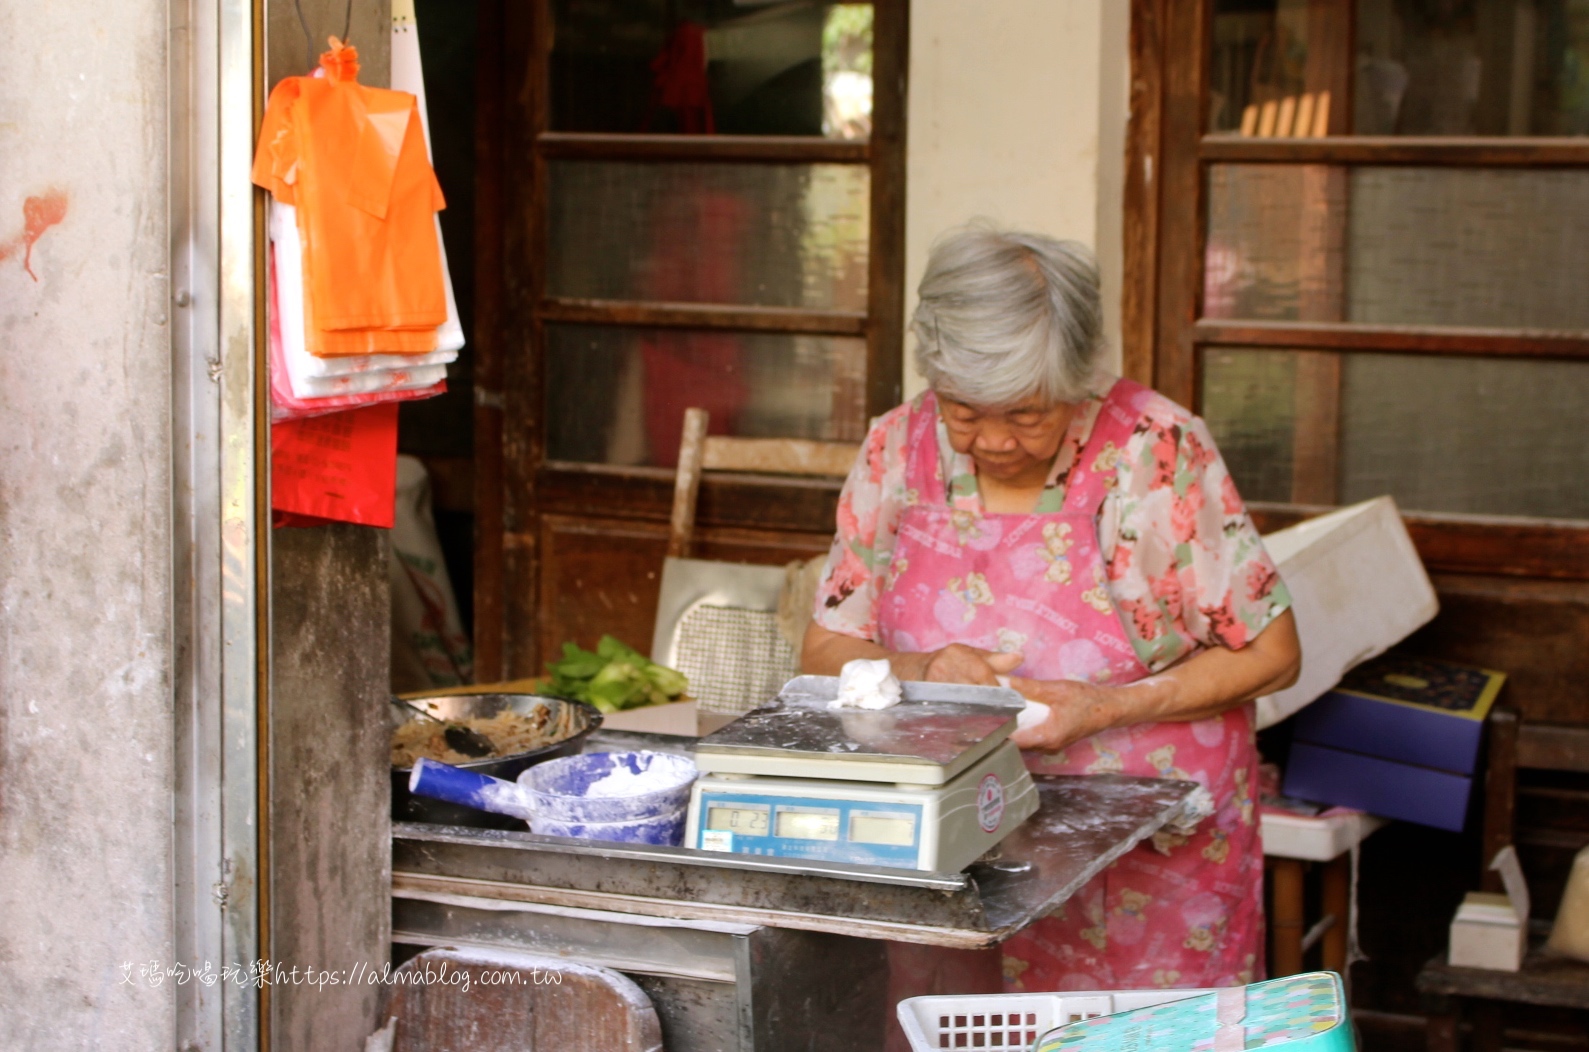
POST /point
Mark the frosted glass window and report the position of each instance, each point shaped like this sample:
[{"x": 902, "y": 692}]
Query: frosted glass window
[
  {"x": 1274, "y": 249},
  {"x": 1248, "y": 405},
  {"x": 771, "y": 68},
  {"x": 775, "y": 235},
  {"x": 1463, "y": 246},
  {"x": 1503, "y": 248},
  {"x": 1455, "y": 67},
  {"x": 1441, "y": 434},
  {"x": 618, "y": 395},
  {"x": 1483, "y": 435}
]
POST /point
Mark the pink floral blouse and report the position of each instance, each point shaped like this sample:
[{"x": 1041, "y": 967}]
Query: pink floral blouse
[{"x": 1186, "y": 566}]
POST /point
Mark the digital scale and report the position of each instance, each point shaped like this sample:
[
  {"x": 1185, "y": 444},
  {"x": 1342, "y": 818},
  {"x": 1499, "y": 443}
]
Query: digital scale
[{"x": 929, "y": 784}]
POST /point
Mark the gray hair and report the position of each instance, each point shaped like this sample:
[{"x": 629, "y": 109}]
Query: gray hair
[{"x": 1003, "y": 316}]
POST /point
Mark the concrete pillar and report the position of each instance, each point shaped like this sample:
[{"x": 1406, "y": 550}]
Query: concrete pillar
[
  {"x": 86, "y": 661},
  {"x": 1017, "y": 114}
]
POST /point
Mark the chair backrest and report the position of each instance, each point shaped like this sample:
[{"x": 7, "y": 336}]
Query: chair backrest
[
  {"x": 1515, "y": 745},
  {"x": 700, "y": 452},
  {"x": 718, "y": 622}
]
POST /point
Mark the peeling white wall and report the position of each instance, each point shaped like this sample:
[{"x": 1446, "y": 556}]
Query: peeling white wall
[
  {"x": 1017, "y": 113},
  {"x": 85, "y": 528}
]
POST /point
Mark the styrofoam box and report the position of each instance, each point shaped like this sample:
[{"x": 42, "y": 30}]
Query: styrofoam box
[
  {"x": 1357, "y": 588},
  {"x": 1013, "y": 1022},
  {"x": 1317, "y": 839}
]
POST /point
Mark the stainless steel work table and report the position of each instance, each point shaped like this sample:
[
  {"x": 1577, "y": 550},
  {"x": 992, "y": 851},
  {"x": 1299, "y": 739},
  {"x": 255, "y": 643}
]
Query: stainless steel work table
[{"x": 729, "y": 946}]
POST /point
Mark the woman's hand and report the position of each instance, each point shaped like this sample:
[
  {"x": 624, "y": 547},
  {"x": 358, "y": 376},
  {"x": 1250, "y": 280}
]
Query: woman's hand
[
  {"x": 825, "y": 652},
  {"x": 956, "y": 663},
  {"x": 1201, "y": 687},
  {"x": 1076, "y": 710}
]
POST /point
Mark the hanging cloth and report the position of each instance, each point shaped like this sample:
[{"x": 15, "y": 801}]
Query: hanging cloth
[
  {"x": 353, "y": 160},
  {"x": 679, "y": 80}
]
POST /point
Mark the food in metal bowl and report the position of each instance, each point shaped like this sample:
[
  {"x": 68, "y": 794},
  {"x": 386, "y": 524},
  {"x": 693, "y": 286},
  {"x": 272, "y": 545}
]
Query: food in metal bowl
[
  {"x": 547, "y": 728},
  {"x": 509, "y": 733}
]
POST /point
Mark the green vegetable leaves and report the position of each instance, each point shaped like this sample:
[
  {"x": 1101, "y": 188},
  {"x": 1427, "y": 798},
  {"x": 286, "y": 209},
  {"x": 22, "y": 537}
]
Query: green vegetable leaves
[{"x": 614, "y": 678}]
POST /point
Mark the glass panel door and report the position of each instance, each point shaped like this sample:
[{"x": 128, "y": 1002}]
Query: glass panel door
[{"x": 1417, "y": 67}]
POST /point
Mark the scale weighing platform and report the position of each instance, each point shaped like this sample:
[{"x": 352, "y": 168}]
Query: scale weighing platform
[{"x": 929, "y": 784}]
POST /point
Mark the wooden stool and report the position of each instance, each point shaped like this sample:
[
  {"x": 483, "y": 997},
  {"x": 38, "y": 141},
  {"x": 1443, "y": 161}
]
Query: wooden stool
[{"x": 1291, "y": 843}]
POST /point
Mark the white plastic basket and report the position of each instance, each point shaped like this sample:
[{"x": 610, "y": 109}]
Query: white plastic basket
[{"x": 1013, "y": 1022}]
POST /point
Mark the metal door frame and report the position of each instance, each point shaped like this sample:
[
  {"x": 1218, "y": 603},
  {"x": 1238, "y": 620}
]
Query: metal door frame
[{"x": 221, "y": 508}]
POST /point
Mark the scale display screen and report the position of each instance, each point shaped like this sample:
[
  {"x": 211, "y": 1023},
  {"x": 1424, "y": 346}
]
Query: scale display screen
[
  {"x": 742, "y": 818},
  {"x": 808, "y": 825},
  {"x": 871, "y": 832},
  {"x": 871, "y": 827}
]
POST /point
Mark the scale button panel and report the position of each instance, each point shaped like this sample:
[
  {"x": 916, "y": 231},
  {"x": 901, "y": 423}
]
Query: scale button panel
[{"x": 860, "y": 831}]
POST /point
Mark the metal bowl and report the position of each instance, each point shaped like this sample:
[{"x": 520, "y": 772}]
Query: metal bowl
[{"x": 408, "y": 808}]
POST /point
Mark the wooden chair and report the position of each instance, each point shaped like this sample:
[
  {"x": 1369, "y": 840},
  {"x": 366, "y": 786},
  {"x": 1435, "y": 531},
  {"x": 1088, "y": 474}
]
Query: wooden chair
[
  {"x": 517, "y": 1000},
  {"x": 700, "y": 452},
  {"x": 1481, "y": 994},
  {"x": 718, "y": 622}
]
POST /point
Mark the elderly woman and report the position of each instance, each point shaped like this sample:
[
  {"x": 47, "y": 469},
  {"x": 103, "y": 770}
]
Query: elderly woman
[{"x": 1030, "y": 517}]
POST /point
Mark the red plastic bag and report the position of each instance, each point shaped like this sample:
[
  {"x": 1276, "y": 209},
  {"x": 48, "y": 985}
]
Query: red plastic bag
[{"x": 336, "y": 468}]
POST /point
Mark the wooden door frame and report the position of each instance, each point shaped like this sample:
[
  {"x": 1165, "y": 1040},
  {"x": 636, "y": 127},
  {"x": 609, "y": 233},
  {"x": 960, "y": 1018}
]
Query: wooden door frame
[
  {"x": 1143, "y": 165},
  {"x": 513, "y": 480},
  {"x": 1166, "y": 150}
]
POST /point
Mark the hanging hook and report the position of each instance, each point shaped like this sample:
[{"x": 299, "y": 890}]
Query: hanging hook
[{"x": 308, "y": 36}]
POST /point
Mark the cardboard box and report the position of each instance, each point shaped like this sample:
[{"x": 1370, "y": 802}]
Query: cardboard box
[
  {"x": 1380, "y": 787},
  {"x": 1486, "y": 933},
  {"x": 1491, "y": 931},
  {"x": 1399, "y": 737},
  {"x": 1357, "y": 589},
  {"x": 1406, "y": 709},
  {"x": 676, "y": 718}
]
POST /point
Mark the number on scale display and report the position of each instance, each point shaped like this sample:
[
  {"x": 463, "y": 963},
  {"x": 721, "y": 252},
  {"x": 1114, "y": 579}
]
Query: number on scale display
[
  {"x": 866, "y": 827},
  {"x": 808, "y": 825},
  {"x": 751, "y": 821},
  {"x": 892, "y": 829}
]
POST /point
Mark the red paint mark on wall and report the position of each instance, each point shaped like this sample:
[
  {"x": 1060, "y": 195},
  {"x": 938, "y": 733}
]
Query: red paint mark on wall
[{"x": 38, "y": 215}]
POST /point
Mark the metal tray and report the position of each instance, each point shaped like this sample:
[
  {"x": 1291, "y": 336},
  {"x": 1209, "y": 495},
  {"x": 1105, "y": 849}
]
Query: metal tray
[
  {"x": 937, "y": 731},
  {"x": 1083, "y": 824}
]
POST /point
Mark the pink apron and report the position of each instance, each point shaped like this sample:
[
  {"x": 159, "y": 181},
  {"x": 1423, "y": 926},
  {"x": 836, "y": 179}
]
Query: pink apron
[{"x": 1177, "y": 911}]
